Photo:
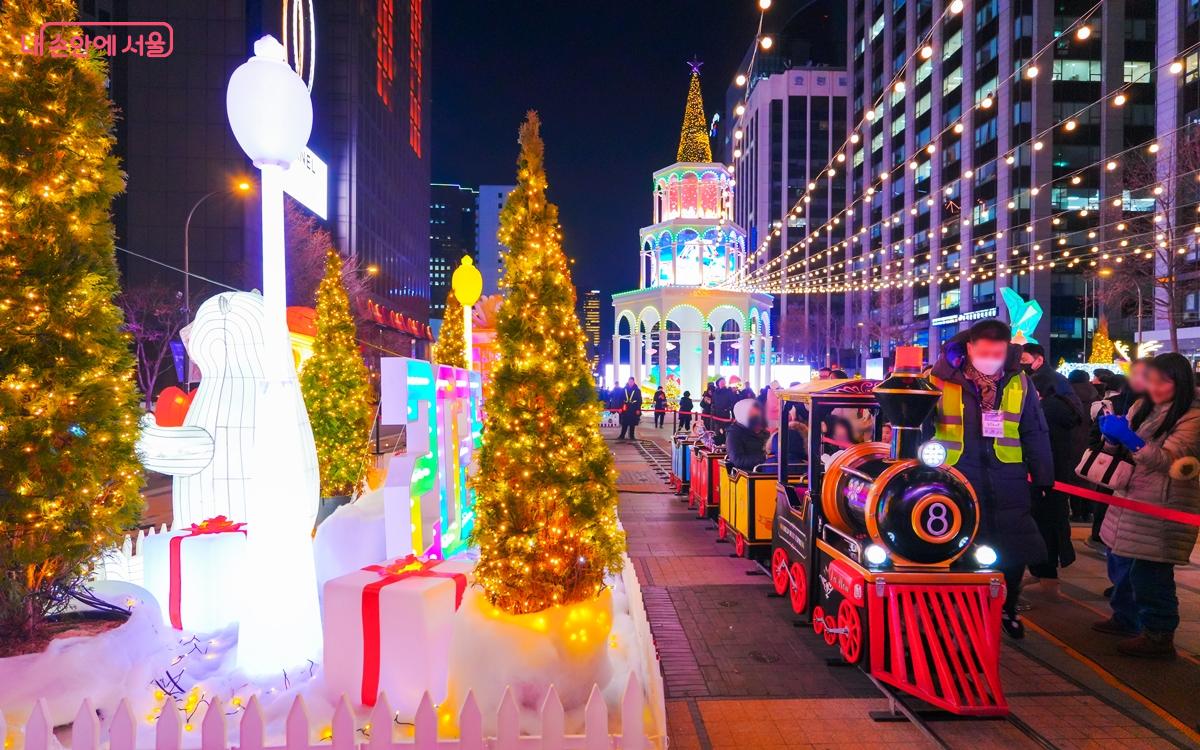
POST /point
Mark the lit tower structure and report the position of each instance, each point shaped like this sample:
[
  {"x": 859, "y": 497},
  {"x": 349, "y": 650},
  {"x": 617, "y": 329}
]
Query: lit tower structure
[{"x": 681, "y": 320}]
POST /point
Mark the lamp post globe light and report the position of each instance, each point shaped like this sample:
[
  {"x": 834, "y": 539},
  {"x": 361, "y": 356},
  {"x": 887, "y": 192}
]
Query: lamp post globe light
[
  {"x": 467, "y": 283},
  {"x": 271, "y": 116}
]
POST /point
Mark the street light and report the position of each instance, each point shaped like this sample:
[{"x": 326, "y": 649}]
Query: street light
[
  {"x": 242, "y": 186},
  {"x": 271, "y": 116}
]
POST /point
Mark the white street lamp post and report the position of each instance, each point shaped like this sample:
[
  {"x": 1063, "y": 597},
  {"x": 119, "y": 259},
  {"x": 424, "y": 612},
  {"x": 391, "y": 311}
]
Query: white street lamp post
[{"x": 271, "y": 116}]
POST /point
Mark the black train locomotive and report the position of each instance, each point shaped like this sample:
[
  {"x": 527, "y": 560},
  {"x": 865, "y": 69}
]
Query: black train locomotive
[{"x": 878, "y": 547}]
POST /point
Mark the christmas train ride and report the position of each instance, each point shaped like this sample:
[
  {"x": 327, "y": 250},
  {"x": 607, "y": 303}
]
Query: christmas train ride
[{"x": 874, "y": 540}]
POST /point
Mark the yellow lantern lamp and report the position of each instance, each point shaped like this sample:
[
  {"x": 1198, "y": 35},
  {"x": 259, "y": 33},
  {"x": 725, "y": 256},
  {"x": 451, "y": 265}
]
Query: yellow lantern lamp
[{"x": 467, "y": 284}]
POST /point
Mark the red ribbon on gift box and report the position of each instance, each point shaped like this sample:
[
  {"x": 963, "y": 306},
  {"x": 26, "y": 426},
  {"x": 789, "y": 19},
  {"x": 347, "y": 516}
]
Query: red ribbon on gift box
[
  {"x": 408, "y": 567},
  {"x": 214, "y": 525}
]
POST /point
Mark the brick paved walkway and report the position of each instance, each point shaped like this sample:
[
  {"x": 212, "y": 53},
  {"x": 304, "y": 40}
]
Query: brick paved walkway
[{"x": 739, "y": 675}]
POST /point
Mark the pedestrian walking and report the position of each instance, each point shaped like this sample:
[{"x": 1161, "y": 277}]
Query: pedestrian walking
[
  {"x": 631, "y": 409},
  {"x": 685, "y": 411},
  {"x": 991, "y": 423},
  {"x": 660, "y": 407},
  {"x": 1161, "y": 436}
]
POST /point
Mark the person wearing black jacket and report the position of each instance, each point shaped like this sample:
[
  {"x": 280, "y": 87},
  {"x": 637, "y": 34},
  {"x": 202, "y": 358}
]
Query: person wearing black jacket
[
  {"x": 722, "y": 405},
  {"x": 629, "y": 402},
  {"x": 660, "y": 407},
  {"x": 977, "y": 368},
  {"x": 1051, "y": 508},
  {"x": 746, "y": 437},
  {"x": 685, "y": 410}
]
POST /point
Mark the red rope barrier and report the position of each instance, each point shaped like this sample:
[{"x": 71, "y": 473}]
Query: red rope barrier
[{"x": 1138, "y": 506}]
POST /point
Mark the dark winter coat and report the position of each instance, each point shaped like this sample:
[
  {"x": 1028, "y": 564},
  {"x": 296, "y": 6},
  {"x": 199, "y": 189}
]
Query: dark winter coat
[
  {"x": 1065, "y": 415},
  {"x": 660, "y": 401},
  {"x": 1004, "y": 493},
  {"x": 629, "y": 401},
  {"x": 745, "y": 448},
  {"x": 685, "y": 404},
  {"x": 723, "y": 401}
]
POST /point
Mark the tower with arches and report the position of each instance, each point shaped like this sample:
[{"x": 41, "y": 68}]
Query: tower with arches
[{"x": 682, "y": 319}]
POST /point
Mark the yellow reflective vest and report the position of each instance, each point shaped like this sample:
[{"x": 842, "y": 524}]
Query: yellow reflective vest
[{"x": 949, "y": 420}]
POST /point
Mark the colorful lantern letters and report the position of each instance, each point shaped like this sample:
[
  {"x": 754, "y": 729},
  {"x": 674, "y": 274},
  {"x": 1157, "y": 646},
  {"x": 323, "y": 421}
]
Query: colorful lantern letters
[{"x": 426, "y": 488}]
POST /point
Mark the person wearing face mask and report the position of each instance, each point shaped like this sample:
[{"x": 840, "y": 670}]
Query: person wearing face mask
[
  {"x": 990, "y": 421},
  {"x": 746, "y": 437}
]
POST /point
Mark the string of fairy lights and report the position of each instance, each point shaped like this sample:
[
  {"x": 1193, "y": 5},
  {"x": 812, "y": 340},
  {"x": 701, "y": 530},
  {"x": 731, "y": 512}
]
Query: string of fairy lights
[
  {"x": 1074, "y": 177},
  {"x": 896, "y": 88},
  {"x": 773, "y": 276},
  {"x": 1055, "y": 219}
]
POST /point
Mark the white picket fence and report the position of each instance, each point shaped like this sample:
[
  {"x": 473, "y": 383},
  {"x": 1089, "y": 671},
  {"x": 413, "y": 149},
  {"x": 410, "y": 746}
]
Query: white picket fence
[
  {"x": 636, "y": 700},
  {"x": 124, "y": 563},
  {"x": 86, "y": 733}
]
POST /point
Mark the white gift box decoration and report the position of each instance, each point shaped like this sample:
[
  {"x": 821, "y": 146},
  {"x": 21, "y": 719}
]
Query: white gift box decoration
[
  {"x": 388, "y": 629},
  {"x": 196, "y": 573}
]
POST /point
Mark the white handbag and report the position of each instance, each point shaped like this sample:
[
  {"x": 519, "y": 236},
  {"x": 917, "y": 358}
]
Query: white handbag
[{"x": 1104, "y": 469}]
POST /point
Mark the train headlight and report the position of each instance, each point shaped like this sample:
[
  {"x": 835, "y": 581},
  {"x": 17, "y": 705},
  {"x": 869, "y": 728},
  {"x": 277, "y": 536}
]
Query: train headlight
[
  {"x": 875, "y": 554},
  {"x": 932, "y": 454},
  {"x": 985, "y": 556}
]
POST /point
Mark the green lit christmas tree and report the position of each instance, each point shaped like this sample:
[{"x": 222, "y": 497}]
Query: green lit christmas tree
[
  {"x": 546, "y": 513},
  {"x": 337, "y": 390},
  {"x": 449, "y": 349},
  {"x": 69, "y": 408}
]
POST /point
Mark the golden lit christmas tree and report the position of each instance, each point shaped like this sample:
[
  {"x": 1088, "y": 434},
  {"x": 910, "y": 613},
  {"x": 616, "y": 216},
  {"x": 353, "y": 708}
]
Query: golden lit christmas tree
[
  {"x": 546, "y": 516},
  {"x": 68, "y": 405},
  {"x": 693, "y": 138},
  {"x": 1103, "y": 351},
  {"x": 337, "y": 390},
  {"x": 449, "y": 349}
]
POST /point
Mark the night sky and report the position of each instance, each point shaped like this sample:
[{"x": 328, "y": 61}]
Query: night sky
[{"x": 609, "y": 80}]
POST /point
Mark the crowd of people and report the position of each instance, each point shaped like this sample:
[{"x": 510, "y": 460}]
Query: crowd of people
[{"x": 1014, "y": 427}]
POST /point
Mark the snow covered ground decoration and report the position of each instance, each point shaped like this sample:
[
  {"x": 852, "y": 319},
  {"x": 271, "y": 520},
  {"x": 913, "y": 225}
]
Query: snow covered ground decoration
[{"x": 188, "y": 686}]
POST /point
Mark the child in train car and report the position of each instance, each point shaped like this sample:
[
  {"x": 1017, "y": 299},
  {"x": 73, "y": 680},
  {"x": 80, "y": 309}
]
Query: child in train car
[{"x": 797, "y": 450}]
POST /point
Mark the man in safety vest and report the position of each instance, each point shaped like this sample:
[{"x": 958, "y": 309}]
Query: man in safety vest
[{"x": 990, "y": 420}]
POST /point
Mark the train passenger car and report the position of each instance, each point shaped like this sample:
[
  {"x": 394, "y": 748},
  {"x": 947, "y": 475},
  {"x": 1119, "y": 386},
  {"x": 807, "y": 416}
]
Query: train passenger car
[
  {"x": 704, "y": 491},
  {"x": 681, "y": 462},
  {"x": 878, "y": 547}
]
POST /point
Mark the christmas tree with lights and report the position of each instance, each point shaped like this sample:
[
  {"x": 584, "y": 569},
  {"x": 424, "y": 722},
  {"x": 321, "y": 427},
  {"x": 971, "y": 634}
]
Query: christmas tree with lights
[
  {"x": 546, "y": 514},
  {"x": 1103, "y": 351},
  {"x": 451, "y": 343},
  {"x": 69, "y": 408},
  {"x": 337, "y": 390},
  {"x": 693, "y": 138}
]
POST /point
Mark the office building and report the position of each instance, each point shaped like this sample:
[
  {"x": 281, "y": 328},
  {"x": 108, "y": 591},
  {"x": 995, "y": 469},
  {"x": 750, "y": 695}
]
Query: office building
[
  {"x": 175, "y": 145},
  {"x": 991, "y": 145},
  {"x": 453, "y": 234},
  {"x": 490, "y": 252},
  {"x": 591, "y": 327},
  {"x": 793, "y": 121}
]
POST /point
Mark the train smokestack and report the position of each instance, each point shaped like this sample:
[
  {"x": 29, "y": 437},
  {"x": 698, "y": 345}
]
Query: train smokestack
[{"x": 906, "y": 400}]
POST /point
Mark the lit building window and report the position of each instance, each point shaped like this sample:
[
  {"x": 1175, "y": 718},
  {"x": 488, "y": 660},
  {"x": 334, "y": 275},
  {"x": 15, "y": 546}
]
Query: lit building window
[
  {"x": 415, "y": 23},
  {"x": 385, "y": 48}
]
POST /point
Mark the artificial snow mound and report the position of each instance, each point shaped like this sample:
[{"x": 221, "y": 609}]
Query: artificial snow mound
[{"x": 566, "y": 646}]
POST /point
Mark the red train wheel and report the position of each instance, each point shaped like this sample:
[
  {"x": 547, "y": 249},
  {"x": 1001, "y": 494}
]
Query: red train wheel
[
  {"x": 799, "y": 589},
  {"x": 739, "y": 545},
  {"x": 722, "y": 529},
  {"x": 779, "y": 570},
  {"x": 818, "y": 620},
  {"x": 851, "y": 640}
]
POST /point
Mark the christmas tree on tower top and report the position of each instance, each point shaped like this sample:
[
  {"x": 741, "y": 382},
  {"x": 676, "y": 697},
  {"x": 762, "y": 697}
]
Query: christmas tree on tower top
[{"x": 693, "y": 138}]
